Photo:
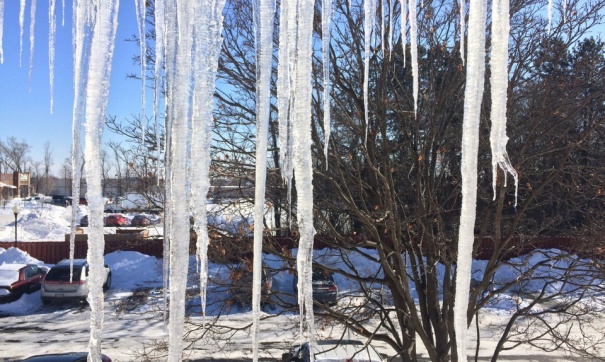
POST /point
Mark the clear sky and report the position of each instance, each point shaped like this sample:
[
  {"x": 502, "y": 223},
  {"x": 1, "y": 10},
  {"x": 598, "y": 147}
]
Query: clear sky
[{"x": 25, "y": 114}]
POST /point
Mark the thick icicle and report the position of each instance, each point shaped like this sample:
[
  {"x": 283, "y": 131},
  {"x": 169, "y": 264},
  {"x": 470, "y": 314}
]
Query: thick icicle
[
  {"x": 369, "y": 7},
  {"x": 52, "y": 30},
  {"x": 326, "y": 16},
  {"x": 285, "y": 92},
  {"x": 21, "y": 22},
  {"x": 81, "y": 50},
  {"x": 97, "y": 92},
  {"x": 32, "y": 27},
  {"x": 263, "y": 35},
  {"x": 499, "y": 88},
  {"x": 403, "y": 16},
  {"x": 140, "y": 10},
  {"x": 462, "y": 27},
  {"x": 382, "y": 25},
  {"x": 303, "y": 168},
  {"x": 180, "y": 109},
  {"x": 414, "y": 50},
  {"x": 473, "y": 94},
  {"x": 1, "y": 30},
  {"x": 207, "y": 47}
]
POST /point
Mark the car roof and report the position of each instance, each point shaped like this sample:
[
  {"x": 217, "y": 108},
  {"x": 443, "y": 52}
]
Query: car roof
[
  {"x": 77, "y": 262},
  {"x": 59, "y": 357},
  {"x": 13, "y": 266}
]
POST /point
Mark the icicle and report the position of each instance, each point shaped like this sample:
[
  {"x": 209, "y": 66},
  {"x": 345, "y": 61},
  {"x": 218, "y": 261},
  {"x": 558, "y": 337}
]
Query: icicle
[
  {"x": 81, "y": 43},
  {"x": 326, "y": 16},
  {"x": 564, "y": 11},
  {"x": 499, "y": 88},
  {"x": 157, "y": 86},
  {"x": 263, "y": 34},
  {"x": 475, "y": 70},
  {"x": 391, "y": 12},
  {"x": 208, "y": 28},
  {"x": 382, "y": 26},
  {"x": 63, "y": 12},
  {"x": 52, "y": 30},
  {"x": 180, "y": 116},
  {"x": 140, "y": 10},
  {"x": 1, "y": 30},
  {"x": 549, "y": 15},
  {"x": 462, "y": 27},
  {"x": 403, "y": 16},
  {"x": 21, "y": 21},
  {"x": 97, "y": 92},
  {"x": 303, "y": 164},
  {"x": 414, "y": 51},
  {"x": 369, "y": 20},
  {"x": 285, "y": 93},
  {"x": 32, "y": 26}
]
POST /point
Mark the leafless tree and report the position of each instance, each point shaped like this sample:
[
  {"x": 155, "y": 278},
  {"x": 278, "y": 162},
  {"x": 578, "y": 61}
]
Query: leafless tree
[{"x": 14, "y": 154}]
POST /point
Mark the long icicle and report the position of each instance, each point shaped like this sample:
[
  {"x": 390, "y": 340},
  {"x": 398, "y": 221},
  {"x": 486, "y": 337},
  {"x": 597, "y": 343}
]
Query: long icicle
[
  {"x": 403, "y": 17},
  {"x": 326, "y": 16},
  {"x": 21, "y": 22},
  {"x": 140, "y": 11},
  {"x": 303, "y": 168},
  {"x": 263, "y": 35},
  {"x": 473, "y": 94},
  {"x": 369, "y": 20},
  {"x": 52, "y": 31},
  {"x": 32, "y": 32},
  {"x": 97, "y": 92}
]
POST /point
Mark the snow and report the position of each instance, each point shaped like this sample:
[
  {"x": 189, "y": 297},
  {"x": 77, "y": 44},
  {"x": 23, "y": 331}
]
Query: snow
[{"x": 126, "y": 327}]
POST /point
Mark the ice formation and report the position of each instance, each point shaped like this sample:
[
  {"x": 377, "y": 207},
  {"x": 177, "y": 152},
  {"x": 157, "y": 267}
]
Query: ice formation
[
  {"x": 414, "y": 50},
  {"x": 326, "y": 15},
  {"x": 32, "y": 26},
  {"x": 140, "y": 12},
  {"x": 1, "y": 30},
  {"x": 52, "y": 31},
  {"x": 475, "y": 69},
  {"x": 21, "y": 21},
  {"x": 403, "y": 16},
  {"x": 369, "y": 7},
  {"x": 462, "y": 27}
]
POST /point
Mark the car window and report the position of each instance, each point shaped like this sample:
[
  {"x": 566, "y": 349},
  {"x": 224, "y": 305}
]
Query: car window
[
  {"x": 29, "y": 272},
  {"x": 62, "y": 274}
]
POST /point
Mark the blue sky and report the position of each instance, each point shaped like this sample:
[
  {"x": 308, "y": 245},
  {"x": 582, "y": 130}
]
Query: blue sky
[{"x": 26, "y": 115}]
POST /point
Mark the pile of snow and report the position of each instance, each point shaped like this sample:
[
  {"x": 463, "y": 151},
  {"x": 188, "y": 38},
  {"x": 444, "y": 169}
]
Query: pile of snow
[{"x": 16, "y": 256}]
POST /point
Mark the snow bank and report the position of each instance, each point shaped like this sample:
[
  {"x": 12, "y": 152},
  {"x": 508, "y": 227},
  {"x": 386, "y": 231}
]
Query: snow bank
[{"x": 16, "y": 256}]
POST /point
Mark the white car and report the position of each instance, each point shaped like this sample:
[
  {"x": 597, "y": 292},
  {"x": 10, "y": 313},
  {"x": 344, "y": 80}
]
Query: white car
[
  {"x": 334, "y": 350},
  {"x": 57, "y": 285}
]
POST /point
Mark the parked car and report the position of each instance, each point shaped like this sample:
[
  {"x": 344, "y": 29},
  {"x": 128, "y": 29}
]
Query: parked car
[
  {"x": 334, "y": 350},
  {"x": 56, "y": 284},
  {"x": 116, "y": 220},
  {"x": 84, "y": 220},
  {"x": 60, "y": 200},
  {"x": 324, "y": 287},
  {"x": 140, "y": 220},
  {"x": 16, "y": 279},
  {"x": 64, "y": 357},
  {"x": 240, "y": 290}
]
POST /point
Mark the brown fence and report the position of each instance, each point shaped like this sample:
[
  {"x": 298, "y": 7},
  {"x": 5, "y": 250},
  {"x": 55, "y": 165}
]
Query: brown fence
[{"x": 230, "y": 249}]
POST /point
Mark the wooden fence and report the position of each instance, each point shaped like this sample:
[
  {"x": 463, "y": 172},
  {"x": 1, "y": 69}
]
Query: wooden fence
[{"x": 231, "y": 249}]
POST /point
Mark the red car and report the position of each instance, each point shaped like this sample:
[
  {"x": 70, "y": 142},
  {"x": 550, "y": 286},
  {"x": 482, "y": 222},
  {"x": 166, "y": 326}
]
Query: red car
[
  {"x": 16, "y": 279},
  {"x": 116, "y": 220}
]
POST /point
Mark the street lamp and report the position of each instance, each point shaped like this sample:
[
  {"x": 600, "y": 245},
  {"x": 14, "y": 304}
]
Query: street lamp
[{"x": 16, "y": 212}]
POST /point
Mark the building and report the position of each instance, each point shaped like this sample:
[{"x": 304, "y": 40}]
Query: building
[{"x": 19, "y": 185}]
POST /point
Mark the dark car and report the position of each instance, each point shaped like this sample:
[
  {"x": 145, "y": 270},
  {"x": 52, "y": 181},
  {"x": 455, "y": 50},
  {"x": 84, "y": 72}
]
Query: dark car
[
  {"x": 140, "y": 220},
  {"x": 240, "y": 289},
  {"x": 16, "y": 279},
  {"x": 333, "y": 350},
  {"x": 116, "y": 220},
  {"x": 64, "y": 357},
  {"x": 324, "y": 287},
  {"x": 61, "y": 200},
  {"x": 84, "y": 220}
]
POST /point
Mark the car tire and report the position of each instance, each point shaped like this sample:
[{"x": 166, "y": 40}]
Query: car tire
[
  {"x": 107, "y": 284},
  {"x": 46, "y": 300}
]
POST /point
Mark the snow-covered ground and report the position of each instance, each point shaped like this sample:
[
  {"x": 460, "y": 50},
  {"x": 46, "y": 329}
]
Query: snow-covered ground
[{"x": 133, "y": 320}]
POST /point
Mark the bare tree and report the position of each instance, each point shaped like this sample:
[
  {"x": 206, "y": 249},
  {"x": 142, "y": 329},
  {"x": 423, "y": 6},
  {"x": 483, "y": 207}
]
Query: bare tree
[
  {"x": 14, "y": 154},
  {"x": 48, "y": 163}
]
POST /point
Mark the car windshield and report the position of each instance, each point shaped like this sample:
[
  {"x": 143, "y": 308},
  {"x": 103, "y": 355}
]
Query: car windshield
[
  {"x": 320, "y": 275},
  {"x": 62, "y": 274}
]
